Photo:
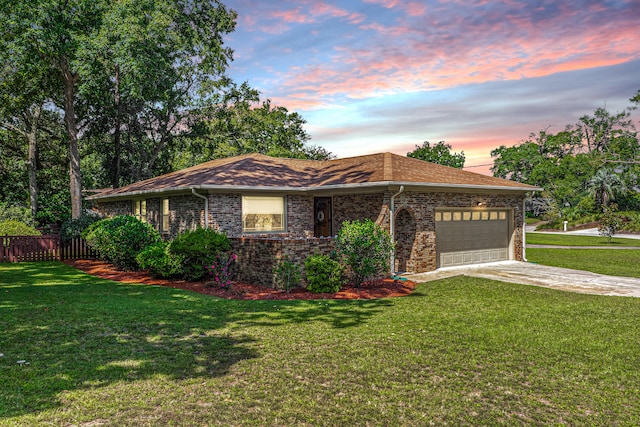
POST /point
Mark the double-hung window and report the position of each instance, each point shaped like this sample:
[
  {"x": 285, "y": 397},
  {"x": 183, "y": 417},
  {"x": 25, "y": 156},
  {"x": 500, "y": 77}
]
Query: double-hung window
[
  {"x": 263, "y": 213},
  {"x": 140, "y": 210},
  {"x": 164, "y": 216}
]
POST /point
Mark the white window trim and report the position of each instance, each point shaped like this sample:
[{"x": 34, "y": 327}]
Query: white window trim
[
  {"x": 246, "y": 199},
  {"x": 140, "y": 209},
  {"x": 165, "y": 215}
]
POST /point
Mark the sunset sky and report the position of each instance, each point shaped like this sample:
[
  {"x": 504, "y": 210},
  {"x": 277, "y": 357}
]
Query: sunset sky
[{"x": 386, "y": 75}]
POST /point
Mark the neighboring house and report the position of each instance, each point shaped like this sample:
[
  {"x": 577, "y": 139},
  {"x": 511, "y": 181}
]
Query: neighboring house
[{"x": 270, "y": 207}]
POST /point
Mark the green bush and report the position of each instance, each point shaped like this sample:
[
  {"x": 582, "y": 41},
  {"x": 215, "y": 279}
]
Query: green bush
[
  {"x": 323, "y": 273},
  {"x": 198, "y": 250},
  {"x": 365, "y": 247},
  {"x": 16, "y": 213},
  {"x": 17, "y": 228},
  {"x": 632, "y": 223},
  {"x": 160, "y": 261},
  {"x": 73, "y": 228},
  {"x": 120, "y": 239},
  {"x": 287, "y": 274}
]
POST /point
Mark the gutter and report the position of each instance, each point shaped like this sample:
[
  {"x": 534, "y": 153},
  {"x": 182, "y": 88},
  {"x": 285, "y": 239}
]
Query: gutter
[
  {"x": 206, "y": 206},
  {"x": 317, "y": 188},
  {"x": 524, "y": 232},
  {"x": 392, "y": 232}
]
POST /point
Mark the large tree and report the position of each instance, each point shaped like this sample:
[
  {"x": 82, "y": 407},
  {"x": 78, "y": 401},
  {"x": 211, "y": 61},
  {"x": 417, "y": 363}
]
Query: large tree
[
  {"x": 170, "y": 51},
  {"x": 242, "y": 123},
  {"x": 586, "y": 164},
  {"x": 438, "y": 153}
]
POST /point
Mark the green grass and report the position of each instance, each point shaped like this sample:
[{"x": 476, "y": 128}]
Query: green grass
[
  {"x": 573, "y": 240},
  {"x": 604, "y": 261},
  {"x": 461, "y": 351}
]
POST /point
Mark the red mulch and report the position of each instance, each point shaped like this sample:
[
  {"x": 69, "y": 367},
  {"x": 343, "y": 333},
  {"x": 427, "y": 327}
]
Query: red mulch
[{"x": 383, "y": 288}]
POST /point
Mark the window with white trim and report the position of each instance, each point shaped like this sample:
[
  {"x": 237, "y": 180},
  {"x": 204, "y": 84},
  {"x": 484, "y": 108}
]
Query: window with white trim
[
  {"x": 140, "y": 210},
  {"x": 164, "y": 215},
  {"x": 263, "y": 213}
]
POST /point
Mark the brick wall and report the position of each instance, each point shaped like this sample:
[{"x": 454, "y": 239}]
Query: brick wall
[
  {"x": 225, "y": 213},
  {"x": 422, "y": 205},
  {"x": 415, "y": 224},
  {"x": 360, "y": 207},
  {"x": 257, "y": 257}
]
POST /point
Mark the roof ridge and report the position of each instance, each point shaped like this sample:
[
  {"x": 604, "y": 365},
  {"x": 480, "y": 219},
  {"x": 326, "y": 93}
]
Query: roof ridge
[{"x": 387, "y": 165}]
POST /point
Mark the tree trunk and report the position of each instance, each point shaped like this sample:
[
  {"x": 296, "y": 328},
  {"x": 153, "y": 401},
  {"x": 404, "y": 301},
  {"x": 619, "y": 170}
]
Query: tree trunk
[
  {"x": 32, "y": 159},
  {"x": 75, "y": 184},
  {"x": 115, "y": 177}
]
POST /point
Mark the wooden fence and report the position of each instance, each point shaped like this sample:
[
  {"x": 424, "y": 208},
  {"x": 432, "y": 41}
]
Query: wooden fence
[{"x": 48, "y": 247}]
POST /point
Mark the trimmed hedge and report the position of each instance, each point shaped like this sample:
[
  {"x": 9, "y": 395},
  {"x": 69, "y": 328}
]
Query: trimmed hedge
[
  {"x": 120, "y": 239},
  {"x": 160, "y": 261},
  {"x": 198, "y": 250},
  {"x": 323, "y": 274},
  {"x": 17, "y": 228}
]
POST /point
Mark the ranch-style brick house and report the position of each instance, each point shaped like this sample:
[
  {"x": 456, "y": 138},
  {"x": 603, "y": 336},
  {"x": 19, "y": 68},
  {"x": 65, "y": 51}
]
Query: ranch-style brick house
[{"x": 273, "y": 207}]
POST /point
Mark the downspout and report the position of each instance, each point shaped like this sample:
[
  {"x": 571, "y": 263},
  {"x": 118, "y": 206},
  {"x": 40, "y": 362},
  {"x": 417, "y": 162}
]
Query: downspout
[
  {"x": 392, "y": 210},
  {"x": 524, "y": 232},
  {"x": 206, "y": 206}
]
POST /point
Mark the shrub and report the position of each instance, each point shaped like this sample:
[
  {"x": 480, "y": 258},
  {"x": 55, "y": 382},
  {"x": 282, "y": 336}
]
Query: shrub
[
  {"x": 17, "y": 228},
  {"x": 73, "y": 228},
  {"x": 633, "y": 222},
  {"x": 120, "y": 239},
  {"x": 198, "y": 249},
  {"x": 323, "y": 273},
  {"x": 16, "y": 213},
  {"x": 287, "y": 274},
  {"x": 160, "y": 261},
  {"x": 365, "y": 247},
  {"x": 221, "y": 269}
]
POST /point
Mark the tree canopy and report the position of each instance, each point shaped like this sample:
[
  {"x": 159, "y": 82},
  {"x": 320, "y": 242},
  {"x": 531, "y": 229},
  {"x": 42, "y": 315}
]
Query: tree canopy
[
  {"x": 583, "y": 167},
  {"x": 439, "y": 153},
  {"x": 139, "y": 88}
]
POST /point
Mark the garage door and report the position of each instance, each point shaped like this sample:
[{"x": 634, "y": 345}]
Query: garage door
[{"x": 471, "y": 236}]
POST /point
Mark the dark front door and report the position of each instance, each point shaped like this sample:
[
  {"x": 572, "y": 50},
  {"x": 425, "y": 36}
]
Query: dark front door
[{"x": 322, "y": 217}]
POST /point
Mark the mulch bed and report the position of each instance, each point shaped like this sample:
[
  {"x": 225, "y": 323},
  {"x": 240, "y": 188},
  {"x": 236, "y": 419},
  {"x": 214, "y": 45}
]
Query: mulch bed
[{"x": 383, "y": 288}]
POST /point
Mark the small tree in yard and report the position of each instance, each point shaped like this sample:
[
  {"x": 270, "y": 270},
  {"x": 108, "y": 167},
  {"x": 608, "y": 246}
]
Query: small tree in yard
[
  {"x": 610, "y": 222},
  {"x": 287, "y": 274},
  {"x": 365, "y": 247}
]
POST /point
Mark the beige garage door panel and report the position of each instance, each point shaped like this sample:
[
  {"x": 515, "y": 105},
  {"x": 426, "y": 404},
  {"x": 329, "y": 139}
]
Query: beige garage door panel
[
  {"x": 473, "y": 257},
  {"x": 471, "y": 237}
]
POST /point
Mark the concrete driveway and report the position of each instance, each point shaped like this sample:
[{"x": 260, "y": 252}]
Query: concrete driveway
[{"x": 540, "y": 275}]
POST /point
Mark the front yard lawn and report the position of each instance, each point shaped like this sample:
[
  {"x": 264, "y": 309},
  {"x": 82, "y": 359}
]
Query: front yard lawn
[
  {"x": 573, "y": 240},
  {"x": 77, "y": 350},
  {"x": 613, "y": 262}
]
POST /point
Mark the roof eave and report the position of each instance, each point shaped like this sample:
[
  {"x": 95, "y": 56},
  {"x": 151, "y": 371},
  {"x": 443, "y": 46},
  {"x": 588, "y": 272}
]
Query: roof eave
[{"x": 335, "y": 187}]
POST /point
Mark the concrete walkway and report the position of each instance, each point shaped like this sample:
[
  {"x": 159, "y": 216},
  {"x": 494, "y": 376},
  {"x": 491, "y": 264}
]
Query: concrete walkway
[{"x": 540, "y": 275}]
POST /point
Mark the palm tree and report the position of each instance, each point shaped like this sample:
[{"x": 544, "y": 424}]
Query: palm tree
[{"x": 604, "y": 186}]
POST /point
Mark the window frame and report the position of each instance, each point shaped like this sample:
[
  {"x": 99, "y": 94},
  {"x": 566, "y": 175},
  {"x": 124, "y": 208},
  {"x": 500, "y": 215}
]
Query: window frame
[
  {"x": 165, "y": 224},
  {"x": 139, "y": 209},
  {"x": 256, "y": 230}
]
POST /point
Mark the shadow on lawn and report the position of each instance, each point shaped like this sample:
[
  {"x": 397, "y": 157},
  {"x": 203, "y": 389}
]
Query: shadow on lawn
[
  {"x": 337, "y": 313},
  {"x": 63, "y": 330}
]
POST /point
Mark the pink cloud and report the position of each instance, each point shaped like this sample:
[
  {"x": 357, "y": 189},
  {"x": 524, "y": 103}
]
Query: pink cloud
[
  {"x": 497, "y": 48},
  {"x": 292, "y": 16},
  {"x": 321, "y": 8},
  {"x": 412, "y": 8}
]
